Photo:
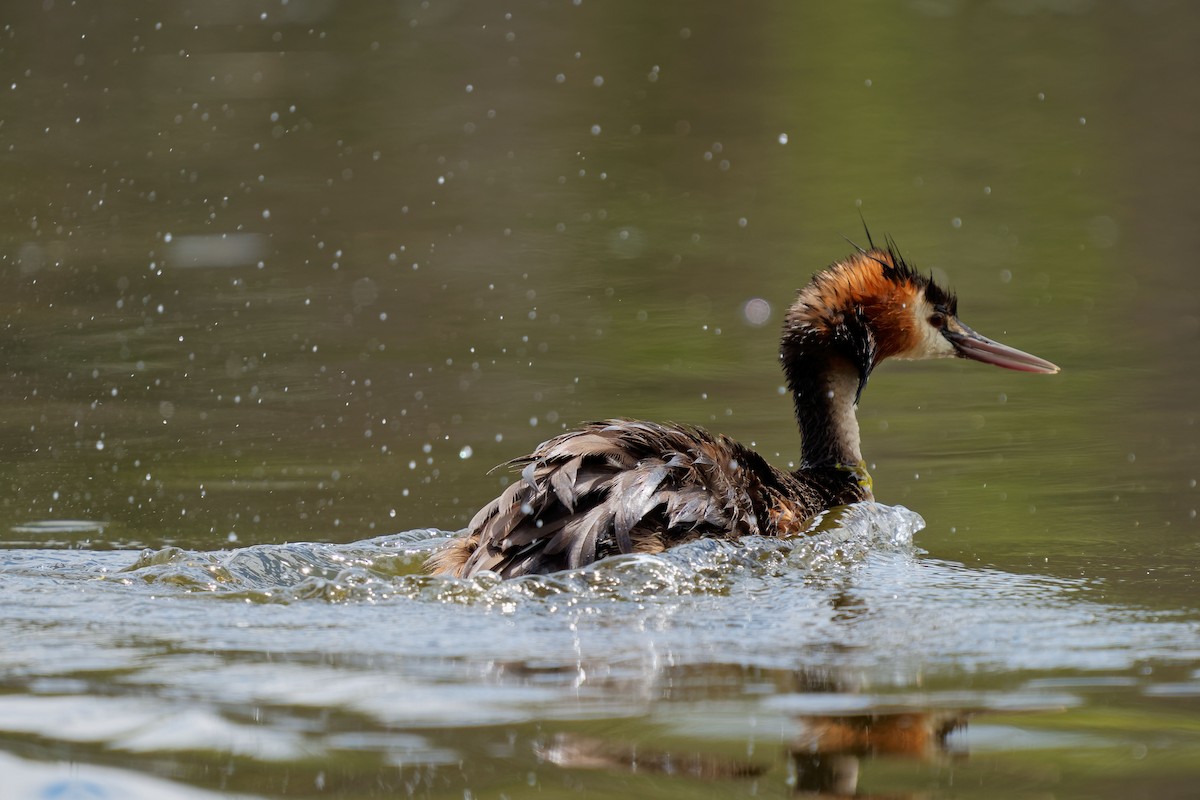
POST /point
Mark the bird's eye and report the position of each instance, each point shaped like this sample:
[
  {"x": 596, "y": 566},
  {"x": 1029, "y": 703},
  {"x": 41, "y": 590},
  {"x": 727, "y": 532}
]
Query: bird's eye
[{"x": 938, "y": 320}]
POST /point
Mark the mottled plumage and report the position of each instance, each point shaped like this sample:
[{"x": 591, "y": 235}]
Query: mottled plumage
[{"x": 625, "y": 486}]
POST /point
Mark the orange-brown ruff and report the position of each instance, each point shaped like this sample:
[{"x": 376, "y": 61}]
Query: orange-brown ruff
[{"x": 625, "y": 486}]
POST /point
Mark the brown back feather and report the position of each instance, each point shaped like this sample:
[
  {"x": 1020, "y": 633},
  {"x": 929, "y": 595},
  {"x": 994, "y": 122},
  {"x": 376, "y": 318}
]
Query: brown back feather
[{"x": 620, "y": 487}]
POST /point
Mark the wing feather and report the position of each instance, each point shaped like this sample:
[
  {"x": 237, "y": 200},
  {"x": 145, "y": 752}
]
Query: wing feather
[
  {"x": 563, "y": 479},
  {"x": 633, "y": 495}
]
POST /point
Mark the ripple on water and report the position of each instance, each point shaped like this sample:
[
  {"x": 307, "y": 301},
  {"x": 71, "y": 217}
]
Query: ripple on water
[
  {"x": 349, "y": 648},
  {"x": 60, "y": 526},
  {"x": 34, "y": 779},
  {"x": 390, "y": 567}
]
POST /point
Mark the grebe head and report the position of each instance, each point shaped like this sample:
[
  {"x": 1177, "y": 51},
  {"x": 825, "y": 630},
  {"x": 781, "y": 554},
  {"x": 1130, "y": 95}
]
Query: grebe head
[{"x": 873, "y": 305}]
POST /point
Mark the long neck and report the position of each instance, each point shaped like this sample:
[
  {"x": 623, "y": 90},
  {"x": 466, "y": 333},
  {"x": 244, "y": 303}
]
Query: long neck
[{"x": 824, "y": 386}]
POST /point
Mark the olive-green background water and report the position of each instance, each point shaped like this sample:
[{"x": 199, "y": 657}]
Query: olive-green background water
[{"x": 305, "y": 271}]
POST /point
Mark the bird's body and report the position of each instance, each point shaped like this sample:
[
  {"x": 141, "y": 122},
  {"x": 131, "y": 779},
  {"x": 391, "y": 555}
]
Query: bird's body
[{"x": 625, "y": 486}]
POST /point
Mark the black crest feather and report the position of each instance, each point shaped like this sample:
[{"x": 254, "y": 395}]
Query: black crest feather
[{"x": 900, "y": 270}]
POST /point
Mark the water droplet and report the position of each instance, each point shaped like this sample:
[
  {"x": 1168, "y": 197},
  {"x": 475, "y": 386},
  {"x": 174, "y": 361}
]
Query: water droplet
[{"x": 757, "y": 311}]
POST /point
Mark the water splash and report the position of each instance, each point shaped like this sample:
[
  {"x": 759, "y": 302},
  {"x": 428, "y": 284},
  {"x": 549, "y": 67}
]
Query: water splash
[{"x": 390, "y": 567}]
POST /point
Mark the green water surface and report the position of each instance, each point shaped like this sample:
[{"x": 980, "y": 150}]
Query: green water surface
[{"x": 304, "y": 271}]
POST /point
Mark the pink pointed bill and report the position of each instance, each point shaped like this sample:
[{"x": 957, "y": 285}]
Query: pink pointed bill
[{"x": 970, "y": 344}]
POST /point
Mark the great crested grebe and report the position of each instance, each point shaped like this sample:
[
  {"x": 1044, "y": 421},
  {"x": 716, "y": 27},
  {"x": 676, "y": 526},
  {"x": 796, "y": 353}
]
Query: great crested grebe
[{"x": 625, "y": 486}]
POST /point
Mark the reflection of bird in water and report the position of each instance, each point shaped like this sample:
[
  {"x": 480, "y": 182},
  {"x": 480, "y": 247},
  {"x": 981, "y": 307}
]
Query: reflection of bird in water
[
  {"x": 826, "y": 755},
  {"x": 623, "y": 486}
]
